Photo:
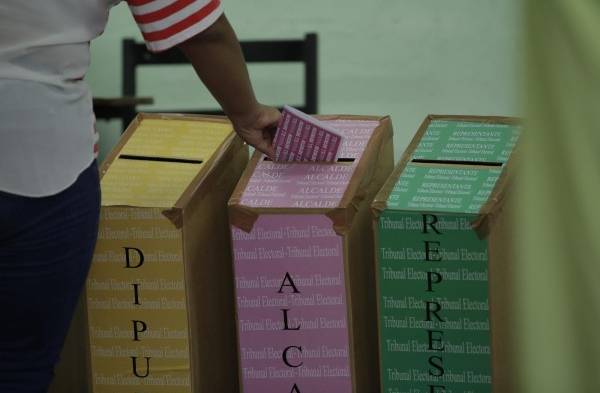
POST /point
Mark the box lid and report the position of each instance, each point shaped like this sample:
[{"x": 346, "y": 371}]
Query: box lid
[
  {"x": 454, "y": 164},
  {"x": 268, "y": 187},
  {"x": 160, "y": 158},
  {"x": 462, "y": 139},
  {"x": 443, "y": 188}
]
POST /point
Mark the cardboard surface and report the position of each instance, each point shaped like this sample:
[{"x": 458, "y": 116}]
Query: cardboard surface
[
  {"x": 158, "y": 318},
  {"x": 442, "y": 282},
  {"x": 304, "y": 277}
]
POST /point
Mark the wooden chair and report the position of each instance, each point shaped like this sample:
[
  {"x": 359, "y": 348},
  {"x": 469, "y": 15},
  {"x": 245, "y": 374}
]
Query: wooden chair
[{"x": 304, "y": 51}]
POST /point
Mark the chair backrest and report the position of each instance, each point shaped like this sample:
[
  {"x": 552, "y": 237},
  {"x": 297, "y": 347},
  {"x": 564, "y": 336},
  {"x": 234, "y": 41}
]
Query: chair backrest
[{"x": 264, "y": 51}]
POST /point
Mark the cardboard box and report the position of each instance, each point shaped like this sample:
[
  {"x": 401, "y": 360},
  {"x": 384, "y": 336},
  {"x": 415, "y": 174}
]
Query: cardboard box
[
  {"x": 444, "y": 259},
  {"x": 159, "y": 295},
  {"x": 303, "y": 264}
]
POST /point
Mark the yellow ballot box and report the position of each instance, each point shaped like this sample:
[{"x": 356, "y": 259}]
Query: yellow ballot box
[{"x": 159, "y": 295}]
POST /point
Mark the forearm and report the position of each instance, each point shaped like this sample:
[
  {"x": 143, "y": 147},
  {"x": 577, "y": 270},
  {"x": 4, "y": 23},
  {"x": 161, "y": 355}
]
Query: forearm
[{"x": 217, "y": 58}]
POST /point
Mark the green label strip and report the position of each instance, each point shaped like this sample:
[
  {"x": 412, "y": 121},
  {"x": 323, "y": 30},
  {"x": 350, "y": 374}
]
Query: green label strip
[
  {"x": 448, "y": 355},
  {"x": 443, "y": 188},
  {"x": 467, "y": 141}
]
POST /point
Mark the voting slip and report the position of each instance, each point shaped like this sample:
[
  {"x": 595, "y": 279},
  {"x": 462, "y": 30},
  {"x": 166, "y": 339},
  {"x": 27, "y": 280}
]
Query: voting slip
[{"x": 300, "y": 137}]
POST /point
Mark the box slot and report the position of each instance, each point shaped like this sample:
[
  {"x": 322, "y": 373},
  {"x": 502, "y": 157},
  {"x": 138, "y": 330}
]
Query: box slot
[
  {"x": 454, "y": 162},
  {"x": 349, "y": 159},
  {"x": 159, "y": 159}
]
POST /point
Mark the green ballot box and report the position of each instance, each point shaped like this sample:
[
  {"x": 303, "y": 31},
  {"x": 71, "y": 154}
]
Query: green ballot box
[{"x": 443, "y": 259}]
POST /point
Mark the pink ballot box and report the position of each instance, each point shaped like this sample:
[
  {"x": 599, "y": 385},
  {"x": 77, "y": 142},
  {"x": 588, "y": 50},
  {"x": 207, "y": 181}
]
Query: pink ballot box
[{"x": 303, "y": 265}]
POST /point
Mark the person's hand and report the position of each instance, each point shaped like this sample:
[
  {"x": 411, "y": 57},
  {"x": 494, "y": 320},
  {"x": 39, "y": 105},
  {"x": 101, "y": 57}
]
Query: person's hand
[{"x": 257, "y": 128}]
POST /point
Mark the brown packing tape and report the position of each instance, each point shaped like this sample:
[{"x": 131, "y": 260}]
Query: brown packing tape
[
  {"x": 361, "y": 279},
  {"x": 380, "y": 202},
  {"x": 210, "y": 289},
  {"x": 242, "y": 216},
  {"x": 175, "y": 215},
  {"x": 501, "y": 265},
  {"x": 220, "y": 177},
  {"x": 339, "y": 217},
  {"x": 114, "y": 153},
  {"x": 359, "y": 186},
  {"x": 207, "y": 178},
  {"x": 366, "y": 166},
  {"x": 495, "y": 203}
]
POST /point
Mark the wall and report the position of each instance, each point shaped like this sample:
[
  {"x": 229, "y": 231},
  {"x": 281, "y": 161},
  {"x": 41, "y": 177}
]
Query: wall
[{"x": 406, "y": 58}]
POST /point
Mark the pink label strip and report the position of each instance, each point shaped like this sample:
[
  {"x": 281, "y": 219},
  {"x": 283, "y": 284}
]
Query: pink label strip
[
  {"x": 291, "y": 306},
  {"x": 276, "y": 184}
]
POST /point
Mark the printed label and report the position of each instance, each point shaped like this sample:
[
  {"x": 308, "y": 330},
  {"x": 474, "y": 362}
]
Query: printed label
[
  {"x": 291, "y": 306},
  {"x": 186, "y": 139},
  {"x": 310, "y": 185},
  {"x": 443, "y": 188},
  {"x": 433, "y": 303},
  {"x": 467, "y": 141},
  {"x": 136, "y": 303},
  {"x": 147, "y": 183}
]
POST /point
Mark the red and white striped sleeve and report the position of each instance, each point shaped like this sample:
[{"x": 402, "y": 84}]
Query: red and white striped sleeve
[{"x": 166, "y": 23}]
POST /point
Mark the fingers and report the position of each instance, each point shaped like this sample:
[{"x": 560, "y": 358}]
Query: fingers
[
  {"x": 260, "y": 140},
  {"x": 259, "y": 130},
  {"x": 271, "y": 117},
  {"x": 266, "y": 147}
]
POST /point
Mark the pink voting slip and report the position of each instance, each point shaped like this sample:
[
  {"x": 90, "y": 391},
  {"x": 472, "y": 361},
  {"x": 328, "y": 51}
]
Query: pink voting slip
[{"x": 301, "y": 137}]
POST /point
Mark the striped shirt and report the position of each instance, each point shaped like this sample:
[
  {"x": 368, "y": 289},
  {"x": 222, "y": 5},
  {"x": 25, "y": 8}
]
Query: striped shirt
[{"x": 46, "y": 120}]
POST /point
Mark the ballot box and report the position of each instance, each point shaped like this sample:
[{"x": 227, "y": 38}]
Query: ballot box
[
  {"x": 303, "y": 265},
  {"x": 158, "y": 301},
  {"x": 443, "y": 240}
]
